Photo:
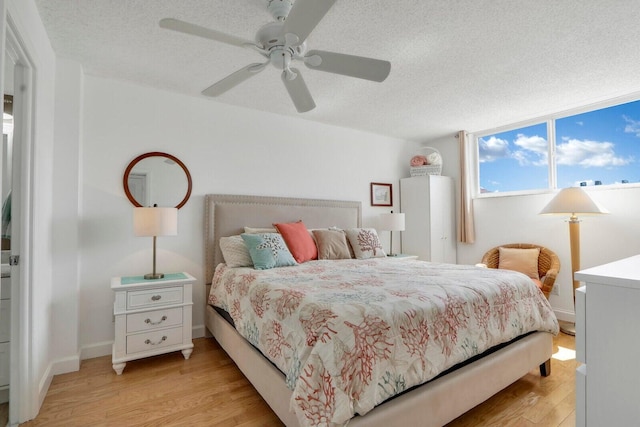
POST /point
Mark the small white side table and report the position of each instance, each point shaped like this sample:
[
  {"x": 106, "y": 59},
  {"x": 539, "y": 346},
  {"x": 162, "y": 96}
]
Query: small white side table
[
  {"x": 403, "y": 257},
  {"x": 151, "y": 317}
]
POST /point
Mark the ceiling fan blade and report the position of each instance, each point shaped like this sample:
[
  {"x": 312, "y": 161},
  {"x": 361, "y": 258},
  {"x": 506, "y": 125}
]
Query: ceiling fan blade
[
  {"x": 298, "y": 91},
  {"x": 348, "y": 65},
  {"x": 304, "y": 16},
  {"x": 234, "y": 79},
  {"x": 207, "y": 33}
]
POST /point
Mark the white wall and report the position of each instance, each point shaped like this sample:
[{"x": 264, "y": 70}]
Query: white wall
[
  {"x": 66, "y": 215},
  {"x": 227, "y": 150},
  {"x": 513, "y": 219}
]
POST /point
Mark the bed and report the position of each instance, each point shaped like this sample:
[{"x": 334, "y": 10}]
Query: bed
[{"x": 440, "y": 400}]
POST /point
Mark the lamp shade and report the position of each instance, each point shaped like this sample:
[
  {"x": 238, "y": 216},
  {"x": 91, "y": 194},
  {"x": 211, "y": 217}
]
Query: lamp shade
[
  {"x": 573, "y": 200},
  {"x": 392, "y": 221},
  {"x": 155, "y": 221}
]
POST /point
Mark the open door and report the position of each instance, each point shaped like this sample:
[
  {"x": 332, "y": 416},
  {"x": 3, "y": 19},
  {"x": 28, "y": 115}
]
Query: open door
[{"x": 6, "y": 167}]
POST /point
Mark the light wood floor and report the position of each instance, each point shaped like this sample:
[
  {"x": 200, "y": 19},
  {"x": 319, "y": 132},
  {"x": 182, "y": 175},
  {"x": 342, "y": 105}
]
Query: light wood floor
[
  {"x": 4, "y": 414},
  {"x": 208, "y": 390}
]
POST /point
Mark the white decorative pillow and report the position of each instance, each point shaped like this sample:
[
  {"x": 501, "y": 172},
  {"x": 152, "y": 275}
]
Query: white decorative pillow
[
  {"x": 365, "y": 243},
  {"x": 235, "y": 252},
  {"x": 259, "y": 230}
]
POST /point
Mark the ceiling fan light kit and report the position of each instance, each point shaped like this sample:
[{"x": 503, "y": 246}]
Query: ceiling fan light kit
[{"x": 283, "y": 42}]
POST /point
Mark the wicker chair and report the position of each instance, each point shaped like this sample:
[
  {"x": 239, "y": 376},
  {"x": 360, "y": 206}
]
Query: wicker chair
[{"x": 548, "y": 263}]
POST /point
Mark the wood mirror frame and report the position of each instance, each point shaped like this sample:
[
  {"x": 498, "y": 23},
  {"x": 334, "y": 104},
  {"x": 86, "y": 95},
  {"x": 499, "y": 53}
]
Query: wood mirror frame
[{"x": 134, "y": 162}]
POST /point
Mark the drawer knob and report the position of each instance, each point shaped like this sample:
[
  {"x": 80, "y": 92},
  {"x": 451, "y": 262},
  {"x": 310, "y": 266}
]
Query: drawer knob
[
  {"x": 156, "y": 297},
  {"x": 151, "y": 322},
  {"x": 148, "y": 341}
]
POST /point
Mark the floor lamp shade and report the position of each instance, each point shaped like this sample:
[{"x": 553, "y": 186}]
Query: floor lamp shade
[
  {"x": 153, "y": 222},
  {"x": 391, "y": 222},
  {"x": 573, "y": 201}
]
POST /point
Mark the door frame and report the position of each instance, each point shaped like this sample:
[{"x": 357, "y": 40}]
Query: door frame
[{"x": 23, "y": 392}]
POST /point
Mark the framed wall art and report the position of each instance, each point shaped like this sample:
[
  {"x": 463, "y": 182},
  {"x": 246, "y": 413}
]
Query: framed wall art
[{"x": 381, "y": 194}]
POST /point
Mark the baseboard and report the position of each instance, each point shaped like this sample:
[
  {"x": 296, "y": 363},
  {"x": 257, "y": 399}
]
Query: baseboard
[
  {"x": 43, "y": 387},
  {"x": 68, "y": 364},
  {"x": 198, "y": 331},
  {"x": 96, "y": 350},
  {"x": 565, "y": 316}
]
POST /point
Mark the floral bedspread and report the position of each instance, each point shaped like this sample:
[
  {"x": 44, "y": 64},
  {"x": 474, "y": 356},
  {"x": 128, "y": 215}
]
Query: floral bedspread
[{"x": 349, "y": 334}]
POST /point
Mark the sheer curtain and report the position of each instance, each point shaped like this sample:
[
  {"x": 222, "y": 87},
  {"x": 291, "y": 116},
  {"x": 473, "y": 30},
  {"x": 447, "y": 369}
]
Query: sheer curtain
[{"x": 466, "y": 230}]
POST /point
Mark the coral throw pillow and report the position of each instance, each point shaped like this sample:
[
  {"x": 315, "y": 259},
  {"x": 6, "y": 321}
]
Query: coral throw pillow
[{"x": 298, "y": 240}]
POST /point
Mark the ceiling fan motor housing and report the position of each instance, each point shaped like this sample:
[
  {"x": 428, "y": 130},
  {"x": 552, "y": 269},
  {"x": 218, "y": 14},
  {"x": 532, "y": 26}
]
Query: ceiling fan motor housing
[{"x": 270, "y": 37}]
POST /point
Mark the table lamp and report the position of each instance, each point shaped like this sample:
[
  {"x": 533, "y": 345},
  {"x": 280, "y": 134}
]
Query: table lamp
[
  {"x": 573, "y": 201},
  {"x": 391, "y": 222},
  {"x": 155, "y": 222}
]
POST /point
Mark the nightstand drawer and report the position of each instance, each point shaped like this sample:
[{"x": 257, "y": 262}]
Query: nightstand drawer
[
  {"x": 154, "y": 319},
  {"x": 154, "y": 297},
  {"x": 153, "y": 340}
]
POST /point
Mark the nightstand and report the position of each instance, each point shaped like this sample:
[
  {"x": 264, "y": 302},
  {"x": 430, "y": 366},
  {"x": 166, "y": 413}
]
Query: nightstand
[
  {"x": 403, "y": 257},
  {"x": 151, "y": 317}
]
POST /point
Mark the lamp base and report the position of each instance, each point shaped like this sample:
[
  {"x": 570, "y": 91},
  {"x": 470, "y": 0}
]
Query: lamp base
[
  {"x": 152, "y": 276},
  {"x": 568, "y": 328}
]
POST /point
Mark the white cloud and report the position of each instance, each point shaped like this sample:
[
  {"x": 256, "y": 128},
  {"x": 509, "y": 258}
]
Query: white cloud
[
  {"x": 633, "y": 126},
  {"x": 492, "y": 149},
  {"x": 585, "y": 153},
  {"x": 534, "y": 150}
]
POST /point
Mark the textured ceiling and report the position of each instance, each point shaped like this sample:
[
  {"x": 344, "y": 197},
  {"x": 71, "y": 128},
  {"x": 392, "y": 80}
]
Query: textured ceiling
[{"x": 456, "y": 64}]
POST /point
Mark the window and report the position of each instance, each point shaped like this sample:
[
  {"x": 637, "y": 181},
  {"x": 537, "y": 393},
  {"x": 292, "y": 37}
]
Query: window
[{"x": 599, "y": 147}]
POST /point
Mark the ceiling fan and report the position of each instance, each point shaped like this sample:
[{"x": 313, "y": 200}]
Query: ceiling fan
[{"x": 282, "y": 42}]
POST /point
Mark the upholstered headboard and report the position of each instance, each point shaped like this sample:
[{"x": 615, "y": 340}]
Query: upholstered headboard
[{"x": 227, "y": 215}]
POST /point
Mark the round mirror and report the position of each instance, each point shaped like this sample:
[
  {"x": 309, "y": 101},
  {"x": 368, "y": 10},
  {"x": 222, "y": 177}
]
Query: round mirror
[{"x": 157, "y": 179}]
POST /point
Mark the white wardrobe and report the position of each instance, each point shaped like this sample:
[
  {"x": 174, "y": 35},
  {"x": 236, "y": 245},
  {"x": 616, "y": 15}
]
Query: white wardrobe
[{"x": 428, "y": 203}]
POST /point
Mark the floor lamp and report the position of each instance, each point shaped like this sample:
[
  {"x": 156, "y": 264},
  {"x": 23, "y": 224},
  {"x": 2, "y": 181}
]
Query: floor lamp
[
  {"x": 573, "y": 201},
  {"x": 154, "y": 222},
  {"x": 391, "y": 222}
]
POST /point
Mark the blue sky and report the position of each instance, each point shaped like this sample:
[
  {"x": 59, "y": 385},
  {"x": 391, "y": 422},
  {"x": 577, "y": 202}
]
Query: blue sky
[{"x": 602, "y": 145}]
